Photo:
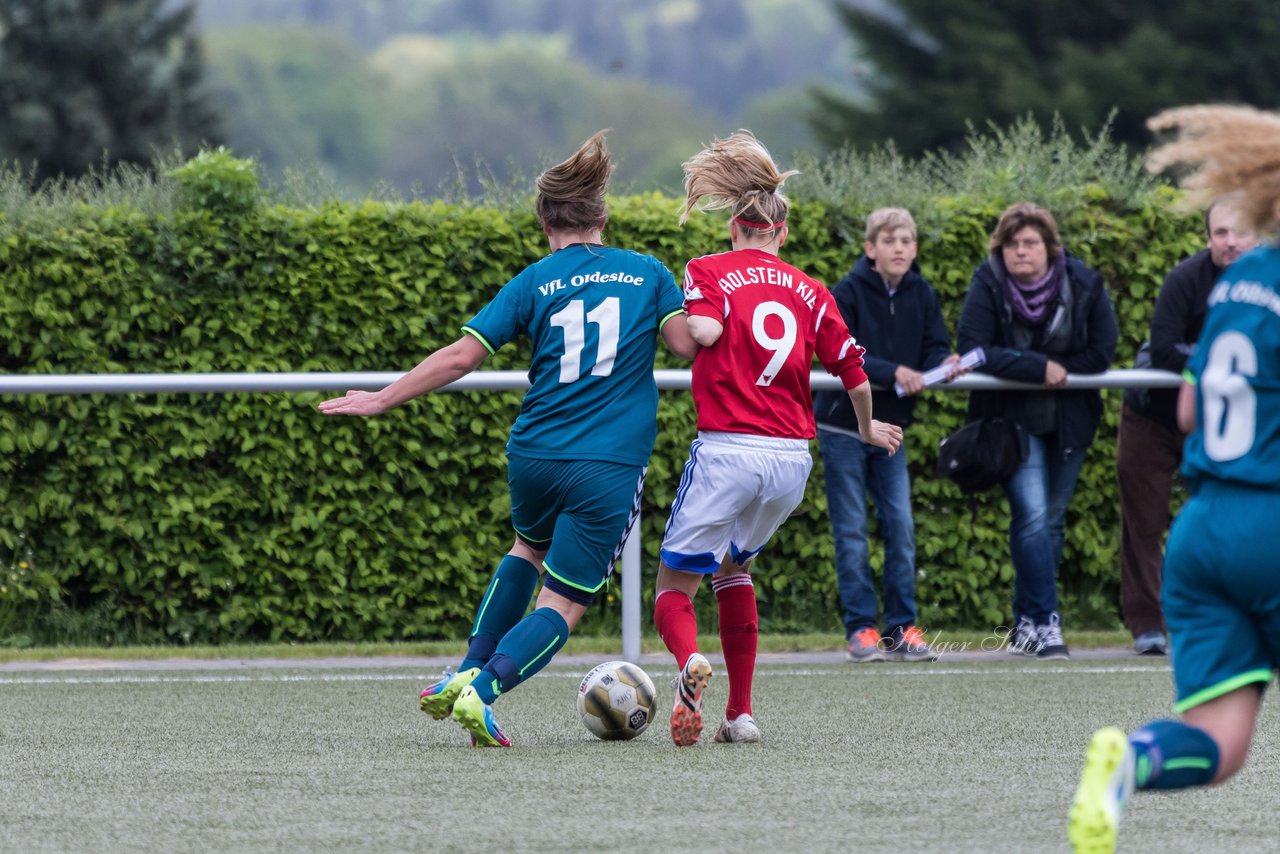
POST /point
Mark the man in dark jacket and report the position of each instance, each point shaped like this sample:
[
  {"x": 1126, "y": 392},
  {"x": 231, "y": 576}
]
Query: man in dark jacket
[
  {"x": 1149, "y": 446},
  {"x": 893, "y": 312}
]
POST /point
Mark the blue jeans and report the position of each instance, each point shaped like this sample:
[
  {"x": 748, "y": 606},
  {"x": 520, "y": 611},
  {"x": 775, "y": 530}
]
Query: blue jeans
[
  {"x": 1039, "y": 492},
  {"x": 851, "y": 469}
]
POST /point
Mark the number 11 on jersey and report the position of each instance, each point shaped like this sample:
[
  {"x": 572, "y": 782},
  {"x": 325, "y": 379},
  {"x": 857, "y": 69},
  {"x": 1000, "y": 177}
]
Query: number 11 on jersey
[{"x": 573, "y": 321}]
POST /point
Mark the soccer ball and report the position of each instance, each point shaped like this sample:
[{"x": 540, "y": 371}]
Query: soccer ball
[{"x": 616, "y": 700}]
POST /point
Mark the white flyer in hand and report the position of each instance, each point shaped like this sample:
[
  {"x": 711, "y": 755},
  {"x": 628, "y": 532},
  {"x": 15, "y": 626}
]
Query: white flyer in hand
[{"x": 933, "y": 376}]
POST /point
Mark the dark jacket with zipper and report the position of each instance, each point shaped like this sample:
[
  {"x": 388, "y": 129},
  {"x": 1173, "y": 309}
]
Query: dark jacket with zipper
[
  {"x": 1175, "y": 328},
  {"x": 986, "y": 321},
  {"x": 902, "y": 328}
]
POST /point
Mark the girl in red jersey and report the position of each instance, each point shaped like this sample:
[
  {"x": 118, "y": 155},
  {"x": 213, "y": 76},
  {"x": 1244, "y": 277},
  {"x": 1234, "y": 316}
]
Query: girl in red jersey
[{"x": 760, "y": 322}]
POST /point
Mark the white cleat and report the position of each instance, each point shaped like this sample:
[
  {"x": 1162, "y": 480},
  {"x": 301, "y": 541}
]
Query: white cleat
[{"x": 740, "y": 730}]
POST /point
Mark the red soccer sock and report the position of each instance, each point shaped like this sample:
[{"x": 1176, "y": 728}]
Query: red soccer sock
[
  {"x": 676, "y": 624},
  {"x": 739, "y": 636}
]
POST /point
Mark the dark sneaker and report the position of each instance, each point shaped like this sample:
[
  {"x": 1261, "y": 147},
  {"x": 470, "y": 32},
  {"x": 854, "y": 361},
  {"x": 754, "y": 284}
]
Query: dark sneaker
[
  {"x": 1024, "y": 640},
  {"x": 908, "y": 644},
  {"x": 1052, "y": 645},
  {"x": 864, "y": 646},
  {"x": 1151, "y": 643},
  {"x": 686, "y": 715}
]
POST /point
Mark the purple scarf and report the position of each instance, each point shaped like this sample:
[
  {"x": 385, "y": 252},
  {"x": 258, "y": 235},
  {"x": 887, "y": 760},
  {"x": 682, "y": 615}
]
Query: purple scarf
[{"x": 1031, "y": 301}]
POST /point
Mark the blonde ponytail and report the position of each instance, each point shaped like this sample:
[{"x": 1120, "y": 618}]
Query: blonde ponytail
[
  {"x": 1233, "y": 151},
  {"x": 739, "y": 174}
]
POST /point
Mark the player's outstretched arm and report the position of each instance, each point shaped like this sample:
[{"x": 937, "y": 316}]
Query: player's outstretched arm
[
  {"x": 1187, "y": 408},
  {"x": 679, "y": 341},
  {"x": 705, "y": 330},
  {"x": 879, "y": 433},
  {"x": 436, "y": 371}
]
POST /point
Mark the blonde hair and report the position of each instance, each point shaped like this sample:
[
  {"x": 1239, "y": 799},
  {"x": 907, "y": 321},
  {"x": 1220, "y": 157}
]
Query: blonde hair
[
  {"x": 737, "y": 173},
  {"x": 1234, "y": 150},
  {"x": 571, "y": 193},
  {"x": 889, "y": 219}
]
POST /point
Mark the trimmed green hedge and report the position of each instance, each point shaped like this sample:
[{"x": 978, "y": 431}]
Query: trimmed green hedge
[{"x": 223, "y": 517}]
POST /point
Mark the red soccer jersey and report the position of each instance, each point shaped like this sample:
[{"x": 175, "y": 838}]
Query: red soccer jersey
[{"x": 755, "y": 378}]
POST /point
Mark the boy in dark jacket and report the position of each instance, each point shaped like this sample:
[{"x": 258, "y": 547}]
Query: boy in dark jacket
[{"x": 893, "y": 312}]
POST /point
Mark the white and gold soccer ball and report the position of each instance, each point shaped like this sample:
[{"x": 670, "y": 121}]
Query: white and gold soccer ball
[{"x": 616, "y": 700}]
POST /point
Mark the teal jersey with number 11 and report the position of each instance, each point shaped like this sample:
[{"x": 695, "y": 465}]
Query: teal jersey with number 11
[
  {"x": 593, "y": 314},
  {"x": 1237, "y": 370}
]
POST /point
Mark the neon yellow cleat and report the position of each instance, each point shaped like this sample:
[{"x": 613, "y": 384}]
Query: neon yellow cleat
[
  {"x": 1105, "y": 785},
  {"x": 477, "y": 718},
  {"x": 437, "y": 698}
]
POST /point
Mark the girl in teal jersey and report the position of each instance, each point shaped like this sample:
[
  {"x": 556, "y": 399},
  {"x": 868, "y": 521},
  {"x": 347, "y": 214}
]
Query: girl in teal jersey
[
  {"x": 1221, "y": 587},
  {"x": 578, "y": 451}
]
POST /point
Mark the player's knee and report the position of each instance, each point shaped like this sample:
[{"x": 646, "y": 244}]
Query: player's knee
[{"x": 1233, "y": 751}]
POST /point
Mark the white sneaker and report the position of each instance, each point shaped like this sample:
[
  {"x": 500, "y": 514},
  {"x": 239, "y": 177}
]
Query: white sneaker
[
  {"x": 1105, "y": 785},
  {"x": 740, "y": 730},
  {"x": 686, "y": 716}
]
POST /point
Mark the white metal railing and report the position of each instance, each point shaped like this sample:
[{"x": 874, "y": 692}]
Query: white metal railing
[
  {"x": 11, "y": 384},
  {"x": 23, "y": 384}
]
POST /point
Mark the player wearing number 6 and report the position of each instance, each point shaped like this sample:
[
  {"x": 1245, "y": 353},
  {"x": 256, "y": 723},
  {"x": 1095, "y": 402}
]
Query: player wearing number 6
[
  {"x": 578, "y": 451},
  {"x": 1221, "y": 591},
  {"x": 760, "y": 322}
]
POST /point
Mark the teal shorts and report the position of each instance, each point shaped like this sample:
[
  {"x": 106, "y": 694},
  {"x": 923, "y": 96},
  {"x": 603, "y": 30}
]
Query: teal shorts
[
  {"x": 579, "y": 512},
  {"x": 1221, "y": 593}
]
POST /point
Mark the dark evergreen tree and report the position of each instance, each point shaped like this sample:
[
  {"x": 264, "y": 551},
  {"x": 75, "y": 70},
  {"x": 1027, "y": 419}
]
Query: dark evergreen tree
[
  {"x": 89, "y": 82},
  {"x": 930, "y": 66}
]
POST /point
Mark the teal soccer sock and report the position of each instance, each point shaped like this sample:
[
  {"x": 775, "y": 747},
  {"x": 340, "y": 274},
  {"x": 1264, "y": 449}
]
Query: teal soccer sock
[
  {"x": 503, "y": 605},
  {"x": 524, "y": 651},
  {"x": 1173, "y": 755}
]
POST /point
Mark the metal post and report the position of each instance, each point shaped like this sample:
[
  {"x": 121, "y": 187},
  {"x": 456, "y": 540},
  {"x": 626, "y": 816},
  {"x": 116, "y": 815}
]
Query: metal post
[{"x": 631, "y": 595}]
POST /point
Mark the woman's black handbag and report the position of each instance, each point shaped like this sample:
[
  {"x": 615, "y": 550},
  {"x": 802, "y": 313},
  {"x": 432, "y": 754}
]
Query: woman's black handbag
[{"x": 981, "y": 454}]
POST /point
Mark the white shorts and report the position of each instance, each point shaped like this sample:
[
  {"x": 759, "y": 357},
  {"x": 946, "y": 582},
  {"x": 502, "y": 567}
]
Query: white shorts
[{"x": 736, "y": 491}]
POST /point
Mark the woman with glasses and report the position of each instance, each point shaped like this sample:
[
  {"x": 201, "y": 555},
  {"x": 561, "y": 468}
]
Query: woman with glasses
[{"x": 1039, "y": 314}]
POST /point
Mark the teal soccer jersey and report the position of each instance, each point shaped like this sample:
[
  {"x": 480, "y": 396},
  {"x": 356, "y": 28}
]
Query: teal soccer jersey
[
  {"x": 1238, "y": 378},
  {"x": 1220, "y": 592},
  {"x": 593, "y": 314}
]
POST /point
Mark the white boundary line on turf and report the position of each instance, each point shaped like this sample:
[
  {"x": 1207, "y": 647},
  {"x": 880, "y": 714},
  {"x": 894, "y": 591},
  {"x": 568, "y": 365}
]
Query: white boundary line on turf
[
  {"x": 53, "y": 679},
  {"x": 1031, "y": 669},
  {"x": 227, "y": 678}
]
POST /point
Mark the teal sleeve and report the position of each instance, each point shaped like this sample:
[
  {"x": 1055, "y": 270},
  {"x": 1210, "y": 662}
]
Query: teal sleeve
[
  {"x": 670, "y": 297},
  {"x": 506, "y": 316}
]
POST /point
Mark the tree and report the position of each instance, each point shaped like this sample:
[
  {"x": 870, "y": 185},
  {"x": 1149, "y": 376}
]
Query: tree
[
  {"x": 934, "y": 65},
  {"x": 537, "y": 103},
  {"x": 302, "y": 96},
  {"x": 89, "y": 82}
]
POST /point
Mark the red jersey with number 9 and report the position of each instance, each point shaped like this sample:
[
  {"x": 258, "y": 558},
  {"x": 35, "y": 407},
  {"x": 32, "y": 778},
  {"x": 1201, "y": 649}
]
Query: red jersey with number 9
[{"x": 755, "y": 378}]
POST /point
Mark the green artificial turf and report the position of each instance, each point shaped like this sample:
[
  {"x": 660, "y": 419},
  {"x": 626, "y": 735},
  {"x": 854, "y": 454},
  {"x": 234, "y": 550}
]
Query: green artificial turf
[{"x": 956, "y": 756}]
